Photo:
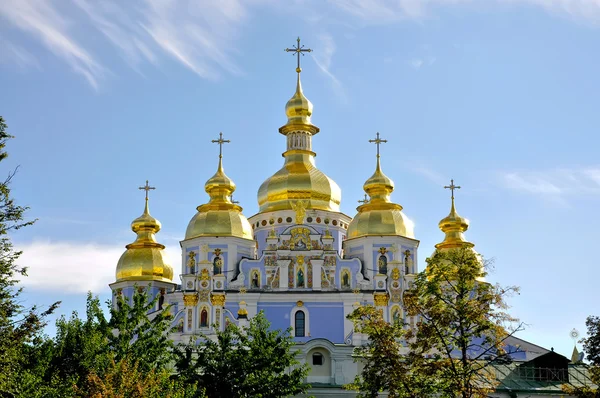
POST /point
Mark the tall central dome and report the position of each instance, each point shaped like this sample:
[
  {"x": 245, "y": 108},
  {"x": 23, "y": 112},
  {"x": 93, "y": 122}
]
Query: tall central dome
[{"x": 299, "y": 178}]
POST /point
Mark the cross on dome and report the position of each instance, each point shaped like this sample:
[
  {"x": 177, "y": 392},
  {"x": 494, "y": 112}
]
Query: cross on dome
[
  {"x": 365, "y": 200},
  {"x": 378, "y": 141},
  {"x": 147, "y": 188},
  {"x": 299, "y": 50},
  {"x": 452, "y": 187},
  {"x": 220, "y": 141}
]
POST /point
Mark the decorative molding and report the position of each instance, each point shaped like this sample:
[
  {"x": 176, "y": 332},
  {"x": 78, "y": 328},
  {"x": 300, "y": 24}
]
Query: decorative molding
[
  {"x": 217, "y": 300},
  {"x": 190, "y": 300},
  {"x": 381, "y": 299}
]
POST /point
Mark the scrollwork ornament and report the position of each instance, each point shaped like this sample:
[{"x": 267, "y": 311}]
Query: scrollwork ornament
[
  {"x": 190, "y": 300},
  {"x": 217, "y": 300},
  {"x": 381, "y": 299}
]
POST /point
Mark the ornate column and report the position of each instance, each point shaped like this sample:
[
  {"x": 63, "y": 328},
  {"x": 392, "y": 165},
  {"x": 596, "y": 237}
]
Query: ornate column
[
  {"x": 218, "y": 302},
  {"x": 190, "y": 301}
]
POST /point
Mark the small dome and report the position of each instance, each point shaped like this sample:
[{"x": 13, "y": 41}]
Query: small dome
[
  {"x": 454, "y": 226},
  {"x": 212, "y": 221},
  {"x": 219, "y": 217},
  {"x": 298, "y": 109},
  {"x": 379, "y": 216},
  {"x": 145, "y": 258},
  {"x": 387, "y": 221}
]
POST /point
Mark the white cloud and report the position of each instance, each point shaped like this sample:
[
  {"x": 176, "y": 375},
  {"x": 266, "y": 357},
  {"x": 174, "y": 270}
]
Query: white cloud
[
  {"x": 199, "y": 35},
  {"x": 429, "y": 173},
  {"x": 74, "y": 267},
  {"x": 389, "y": 11},
  {"x": 323, "y": 60},
  {"x": 557, "y": 184},
  {"x": 41, "y": 19},
  {"x": 17, "y": 54},
  {"x": 202, "y": 35},
  {"x": 120, "y": 29},
  {"x": 416, "y": 63}
]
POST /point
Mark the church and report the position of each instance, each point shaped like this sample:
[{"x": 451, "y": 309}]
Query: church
[{"x": 299, "y": 259}]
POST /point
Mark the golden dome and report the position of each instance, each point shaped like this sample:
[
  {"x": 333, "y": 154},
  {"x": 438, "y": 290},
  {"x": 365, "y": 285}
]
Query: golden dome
[
  {"x": 144, "y": 259},
  {"x": 242, "y": 311},
  {"x": 298, "y": 109},
  {"x": 219, "y": 217},
  {"x": 299, "y": 179},
  {"x": 379, "y": 216},
  {"x": 454, "y": 227}
]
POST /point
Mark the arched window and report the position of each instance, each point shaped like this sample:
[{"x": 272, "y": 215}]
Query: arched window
[
  {"x": 382, "y": 263},
  {"x": 345, "y": 279},
  {"x": 255, "y": 282},
  {"x": 204, "y": 318},
  {"x": 161, "y": 301},
  {"x": 299, "y": 324},
  {"x": 300, "y": 278}
]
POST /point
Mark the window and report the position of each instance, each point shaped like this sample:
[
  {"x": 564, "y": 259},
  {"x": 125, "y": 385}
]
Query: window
[
  {"x": 299, "y": 324},
  {"x": 317, "y": 359}
]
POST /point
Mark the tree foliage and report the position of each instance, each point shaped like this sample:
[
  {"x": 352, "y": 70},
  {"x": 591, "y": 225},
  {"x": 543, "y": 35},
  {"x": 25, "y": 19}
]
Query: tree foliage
[
  {"x": 389, "y": 365},
  {"x": 125, "y": 379},
  {"x": 19, "y": 326},
  {"x": 591, "y": 347},
  {"x": 251, "y": 361},
  {"x": 89, "y": 356},
  {"x": 461, "y": 329},
  {"x": 591, "y": 344},
  {"x": 143, "y": 333}
]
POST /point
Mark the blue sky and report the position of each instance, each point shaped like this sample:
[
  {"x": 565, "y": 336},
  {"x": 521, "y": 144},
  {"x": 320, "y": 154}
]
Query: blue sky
[{"x": 501, "y": 95}]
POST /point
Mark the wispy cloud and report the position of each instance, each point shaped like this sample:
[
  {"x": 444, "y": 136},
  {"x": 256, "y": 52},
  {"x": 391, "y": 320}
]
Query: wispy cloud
[
  {"x": 418, "y": 63},
  {"x": 557, "y": 184},
  {"x": 17, "y": 54},
  {"x": 417, "y": 166},
  {"x": 74, "y": 267},
  {"x": 42, "y": 21},
  {"x": 120, "y": 29},
  {"x": 389, "y": 11},
  {"x": 199, "y": 35},
  {"x": 323, "y": 60}
]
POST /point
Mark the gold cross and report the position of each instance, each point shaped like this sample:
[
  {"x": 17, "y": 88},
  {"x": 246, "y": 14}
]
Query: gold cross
[
  {"x": 378, "y": 141},
  {"x": 220, "y": 141},
  {"x": 299, "y": 50},
  {"x": 452, "y": 187},
  {"x": 365, "y": 200},
  {"x": 146, "y": 188}
]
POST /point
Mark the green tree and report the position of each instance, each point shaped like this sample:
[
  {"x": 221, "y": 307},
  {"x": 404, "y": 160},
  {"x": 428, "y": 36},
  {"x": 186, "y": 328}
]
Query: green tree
[
  {"x": 463, "y": 323},
  {"x": 591, "y": 347},
  {"x": 591, "y": 344},
  {"x": 19, "y": 326},
  {"x": 251, "y": 361},
  {"x": 125, "y": 379},
  {"x": 389, "y": 365},
  {"x": 79, "y": 348},
  {"x": 142, "y": 332},
  {"x": 461, "y": 331},
  {"x": 90, "y": 349}
]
